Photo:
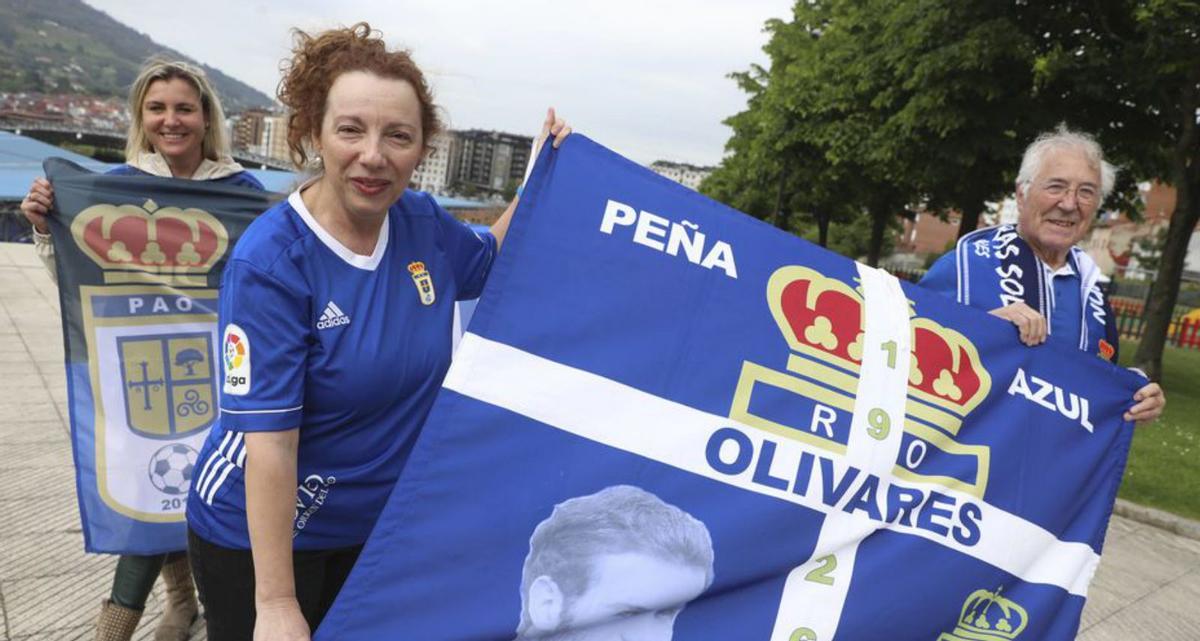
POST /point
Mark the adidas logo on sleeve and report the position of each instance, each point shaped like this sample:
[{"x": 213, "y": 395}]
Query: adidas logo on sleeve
[{"x": 332, "y": 317}]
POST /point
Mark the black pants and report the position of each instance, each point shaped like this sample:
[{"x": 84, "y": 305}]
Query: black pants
[
  {"x": 135, "y": 577},
  {"x": 225, "y": 580}
]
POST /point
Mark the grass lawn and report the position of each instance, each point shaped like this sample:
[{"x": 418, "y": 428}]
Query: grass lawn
[{"x": 1164, "y": 464}]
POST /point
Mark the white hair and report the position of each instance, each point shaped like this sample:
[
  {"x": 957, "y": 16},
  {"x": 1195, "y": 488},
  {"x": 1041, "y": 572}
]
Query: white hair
[{"x": 1064, "y": 138}]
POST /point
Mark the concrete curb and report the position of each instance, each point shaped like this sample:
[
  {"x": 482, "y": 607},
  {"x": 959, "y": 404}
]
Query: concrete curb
[{"x": 1158, "y": 518}]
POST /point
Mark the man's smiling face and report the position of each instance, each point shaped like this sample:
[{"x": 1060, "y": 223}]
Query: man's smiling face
[{"x": 1057, "y": 207}]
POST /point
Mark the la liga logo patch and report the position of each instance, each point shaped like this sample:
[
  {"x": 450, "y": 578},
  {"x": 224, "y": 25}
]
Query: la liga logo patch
[{"x": 236, "y": 351}]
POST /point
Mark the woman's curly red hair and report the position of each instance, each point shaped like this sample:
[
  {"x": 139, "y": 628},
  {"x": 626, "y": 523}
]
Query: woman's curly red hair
[{"x": 317, "y": 60}]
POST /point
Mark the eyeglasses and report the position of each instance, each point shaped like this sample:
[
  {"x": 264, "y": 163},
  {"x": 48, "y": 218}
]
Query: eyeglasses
[{"x": 1085, "y": 194}]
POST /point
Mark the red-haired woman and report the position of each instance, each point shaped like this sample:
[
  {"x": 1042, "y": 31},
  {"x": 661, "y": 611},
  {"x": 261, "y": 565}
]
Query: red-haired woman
[{"x": 336, "y": 312}]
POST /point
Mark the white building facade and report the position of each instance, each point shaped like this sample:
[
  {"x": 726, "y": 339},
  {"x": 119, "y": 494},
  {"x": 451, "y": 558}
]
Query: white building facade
[
  {"x": 433, "y": 173},
  {"x": 689, "y": 176}
]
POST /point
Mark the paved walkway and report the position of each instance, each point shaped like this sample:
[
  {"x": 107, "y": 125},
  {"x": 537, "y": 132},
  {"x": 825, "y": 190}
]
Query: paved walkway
[
  {"x": 49, "y": 589},
  {"x": 1148, "y": 586}
]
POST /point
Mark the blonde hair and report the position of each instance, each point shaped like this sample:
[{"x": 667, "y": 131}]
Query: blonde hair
[{"x": 214, "y": 145}]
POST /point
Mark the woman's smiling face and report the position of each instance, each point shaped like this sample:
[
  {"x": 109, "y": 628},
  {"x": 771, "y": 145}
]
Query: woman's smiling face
[
  {"x": 370, "y": 141},
  {"x": 174, "y": 121}
]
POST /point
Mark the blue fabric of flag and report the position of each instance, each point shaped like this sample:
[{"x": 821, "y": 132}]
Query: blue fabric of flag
[{"x": 803, "y": 447}]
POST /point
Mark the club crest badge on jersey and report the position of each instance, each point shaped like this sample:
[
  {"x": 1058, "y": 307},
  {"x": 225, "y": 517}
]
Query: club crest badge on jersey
[{"x": 423, "y": 281}]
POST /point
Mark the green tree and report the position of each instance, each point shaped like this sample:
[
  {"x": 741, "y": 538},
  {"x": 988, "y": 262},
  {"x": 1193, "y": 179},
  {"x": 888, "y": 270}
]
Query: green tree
[
  {"x": 794, "y": 156},
  {"x": 954, "y": 103},
  {"x": 1129, "y": 70},
  {"x": 881, "y": 105},
  {"x": 770, "y": 172},
  {"x": 832, "y": 92},
  {"x": 853, "y": 237},
  {"x": 886, "y": 106},
  {"x": 1148, "y": 250}
]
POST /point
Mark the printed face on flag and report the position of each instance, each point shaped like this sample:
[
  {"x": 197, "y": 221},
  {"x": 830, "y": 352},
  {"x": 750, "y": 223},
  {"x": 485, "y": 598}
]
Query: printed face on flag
[
  {"x": 617, "y": 564},
  {"x": 629, "y": 596}
]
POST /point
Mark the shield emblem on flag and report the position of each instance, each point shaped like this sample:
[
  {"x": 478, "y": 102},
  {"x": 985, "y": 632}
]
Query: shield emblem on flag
[
  {"x": 167, "y": 381},
  {"x": 153, "y": 367},
  {"x": 138, "y": 260}
]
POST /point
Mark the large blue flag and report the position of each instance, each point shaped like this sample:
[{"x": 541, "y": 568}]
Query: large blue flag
[
  {"x": 139, "y": 262},
  {"x": 669, "y": 420}
]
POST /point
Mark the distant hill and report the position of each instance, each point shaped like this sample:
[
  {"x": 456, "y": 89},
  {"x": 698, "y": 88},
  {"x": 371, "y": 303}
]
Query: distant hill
[{"x": 66, "y": 46}]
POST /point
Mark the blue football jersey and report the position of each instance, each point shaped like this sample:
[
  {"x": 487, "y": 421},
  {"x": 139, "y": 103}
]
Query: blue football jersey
[{"x": 350, "y": 349}]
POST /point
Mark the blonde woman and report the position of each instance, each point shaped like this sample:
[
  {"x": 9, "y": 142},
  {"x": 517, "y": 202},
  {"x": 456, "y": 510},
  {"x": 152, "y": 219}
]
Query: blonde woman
[{"x": 176, "y": 132}]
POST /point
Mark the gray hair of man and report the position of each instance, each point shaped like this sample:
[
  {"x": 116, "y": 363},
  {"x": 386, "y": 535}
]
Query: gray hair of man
[{"x": 1065, "y": 138}]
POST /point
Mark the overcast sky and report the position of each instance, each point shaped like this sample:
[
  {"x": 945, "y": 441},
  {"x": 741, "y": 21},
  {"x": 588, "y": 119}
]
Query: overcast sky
[{"x": 647, "y": 78}]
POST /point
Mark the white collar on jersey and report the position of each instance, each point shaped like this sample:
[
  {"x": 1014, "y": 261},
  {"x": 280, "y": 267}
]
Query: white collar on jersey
[{"x": 369, "y": 263}]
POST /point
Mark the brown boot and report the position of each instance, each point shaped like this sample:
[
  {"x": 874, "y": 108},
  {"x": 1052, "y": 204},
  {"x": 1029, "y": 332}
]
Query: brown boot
[
  {"x": 181, "y": 608},
  {"x": 116, "y": 623}
]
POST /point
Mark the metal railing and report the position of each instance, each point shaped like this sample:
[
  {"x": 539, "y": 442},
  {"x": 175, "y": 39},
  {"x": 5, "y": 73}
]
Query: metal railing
[{"x": 1183, "y": 330}]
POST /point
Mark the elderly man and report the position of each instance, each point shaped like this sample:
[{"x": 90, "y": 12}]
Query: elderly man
[
  {"x": 1032, "y": 274},
  {"x": 617, "y": 564}
]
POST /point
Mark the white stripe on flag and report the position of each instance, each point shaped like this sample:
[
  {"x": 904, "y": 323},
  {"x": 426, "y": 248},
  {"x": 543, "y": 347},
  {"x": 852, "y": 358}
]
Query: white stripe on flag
[
  {"x": 815, "y": 593},
  {"x": 620, "y": 416}
]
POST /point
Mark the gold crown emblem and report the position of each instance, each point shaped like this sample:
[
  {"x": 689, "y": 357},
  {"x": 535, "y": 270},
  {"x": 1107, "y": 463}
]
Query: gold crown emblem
[
  {"x": 151, "y": 244},
  {"x": 822, "y": 321},
  {"x": 987, "y": 616},
  {"x": 822, "y": 318},
  {"x": 416, "y": 267}
]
